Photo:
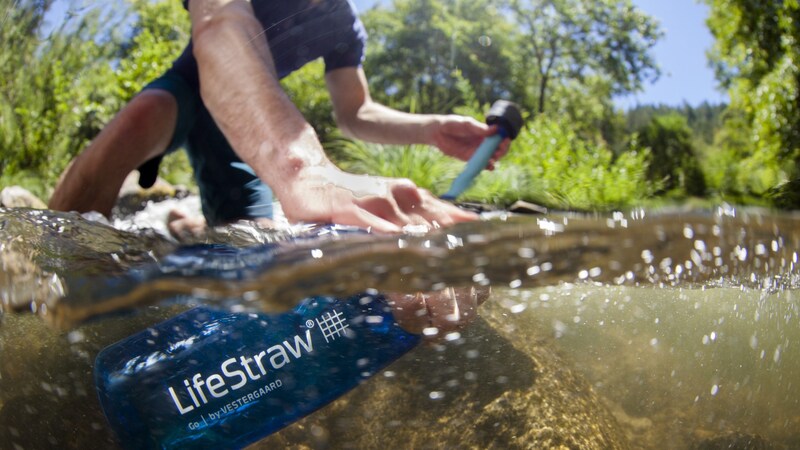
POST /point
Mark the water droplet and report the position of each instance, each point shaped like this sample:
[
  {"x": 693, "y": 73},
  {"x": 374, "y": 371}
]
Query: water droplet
[
  {"x": 559, "y": 328},
  {"x": 526, "y": 253},
  {"x": 453, "y": 336},
  {"x": 700, "y": 246},
  {"x": 374, "y": 319},
  {"x": 430, "y": 331},
  {"x": 75, "y": 337}
]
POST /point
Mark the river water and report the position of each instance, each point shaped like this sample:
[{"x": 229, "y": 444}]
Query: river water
[{"x": 681, "y": 327}]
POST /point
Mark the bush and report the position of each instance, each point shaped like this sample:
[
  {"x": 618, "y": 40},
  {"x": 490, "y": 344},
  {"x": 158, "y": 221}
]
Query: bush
[
  {"x": 58, "y": 90},
  {"x": 674, "y": 159},
  {"x": 547, "y": 164}
]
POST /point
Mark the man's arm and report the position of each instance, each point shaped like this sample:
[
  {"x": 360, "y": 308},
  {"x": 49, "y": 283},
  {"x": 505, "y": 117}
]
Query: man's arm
[
  {"x": 360, "y": 117},
  {"x": 240, "y": 88}
]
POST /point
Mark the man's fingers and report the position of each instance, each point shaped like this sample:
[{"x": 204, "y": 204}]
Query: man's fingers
[
  {"x": 386, "y": 208},
  {"x": 357, "y": 216},
  {"x": 437, "y": 313},
  {"x": 417, "y": 202},
  {"x": 410, "y": 311},
  {"x": 445, "y": 213},
  {"x": 482, "y": 293},
  {"x": 444, "y": 310}
]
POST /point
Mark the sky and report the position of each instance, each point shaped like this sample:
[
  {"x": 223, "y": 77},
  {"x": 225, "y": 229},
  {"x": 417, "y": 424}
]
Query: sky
[{"x": 681, "y": 54}]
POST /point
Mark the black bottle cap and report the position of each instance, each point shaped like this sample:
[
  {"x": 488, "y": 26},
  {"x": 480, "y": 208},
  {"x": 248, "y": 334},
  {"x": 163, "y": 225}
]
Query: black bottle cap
[{"x": 507, "y": 115}]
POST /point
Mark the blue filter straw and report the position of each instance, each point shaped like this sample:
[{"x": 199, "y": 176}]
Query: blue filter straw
[{"x": 507, "y": 117}]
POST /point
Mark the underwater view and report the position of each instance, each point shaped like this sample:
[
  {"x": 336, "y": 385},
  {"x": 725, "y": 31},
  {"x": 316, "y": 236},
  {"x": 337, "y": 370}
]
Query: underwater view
[{"x": 674, "y": 330}]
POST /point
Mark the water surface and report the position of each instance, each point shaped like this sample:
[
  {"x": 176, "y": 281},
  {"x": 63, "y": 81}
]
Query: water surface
[{"x": 670, "y": 330}]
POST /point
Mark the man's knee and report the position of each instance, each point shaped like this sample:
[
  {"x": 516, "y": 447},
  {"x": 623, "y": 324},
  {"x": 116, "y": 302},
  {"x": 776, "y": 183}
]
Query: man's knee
[
  {"x": 148, "y": 121},
  {"x": 152, "y": 108}
]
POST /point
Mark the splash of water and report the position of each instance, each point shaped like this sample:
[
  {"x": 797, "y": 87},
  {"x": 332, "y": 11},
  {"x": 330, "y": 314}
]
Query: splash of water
[{"x": 721, "y": 248}]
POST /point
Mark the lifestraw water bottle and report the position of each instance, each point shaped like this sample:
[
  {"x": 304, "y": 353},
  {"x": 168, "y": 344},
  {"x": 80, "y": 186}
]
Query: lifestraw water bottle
[{"x": 217, "y": 379}]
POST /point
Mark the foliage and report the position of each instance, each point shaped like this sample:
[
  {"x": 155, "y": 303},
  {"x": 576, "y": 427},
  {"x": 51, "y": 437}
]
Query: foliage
[
  {"x": 548, "y": 164},
  {"x": 575, "y": 40},
  {"x": 60, "y": 88},
  {"x": 426, "y": 166},
  {"x": 564, "y": 57},
  {"x": 418, "y": 49},
  {"x": 756, "y": 56},
  {"x": 47, "y": 86},
  {"x": 704, "y": 119},
  {"x": 565, "y": 171},
  {"x": 157, "y": 37},
  {"x": 674, "y": 159}
]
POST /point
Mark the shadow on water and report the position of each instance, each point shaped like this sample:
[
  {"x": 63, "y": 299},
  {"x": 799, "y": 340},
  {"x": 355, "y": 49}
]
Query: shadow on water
[{"x": 640, "y": 330}]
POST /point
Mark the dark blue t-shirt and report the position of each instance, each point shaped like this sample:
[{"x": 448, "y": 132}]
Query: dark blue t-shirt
[{"x": 300, "y": 31}]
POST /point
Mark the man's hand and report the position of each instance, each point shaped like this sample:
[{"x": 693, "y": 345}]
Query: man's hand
[
  {"x": 325, "y": 194},
  {"x": 437, "y": 313},
  {"x": 362, "y": 118},
  {"x": 460, "y": 136}
]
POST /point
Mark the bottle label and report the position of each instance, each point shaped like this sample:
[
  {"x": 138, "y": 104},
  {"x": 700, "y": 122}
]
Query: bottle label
[{"x": 242, "y": 372}]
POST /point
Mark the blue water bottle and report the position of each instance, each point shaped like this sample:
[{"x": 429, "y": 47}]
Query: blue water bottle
[{"x": 210, "y": 378}]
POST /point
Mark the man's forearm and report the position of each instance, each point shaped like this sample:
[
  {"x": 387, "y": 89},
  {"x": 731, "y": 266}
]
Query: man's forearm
[
  {"x": 239, "y": 86},
  {"x": 377, "y": 123}
]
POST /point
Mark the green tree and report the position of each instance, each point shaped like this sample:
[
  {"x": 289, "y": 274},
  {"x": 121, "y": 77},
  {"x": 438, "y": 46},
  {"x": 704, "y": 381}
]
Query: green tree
[
  {"x": 757, "y": 58},
  {"x": 47, "y": 78},
  {"x": 419, "y": 50},
  {"x": 674, "y": 160},
  {"x": 60, "y": 84},
  {"x": 579, "y": 41}
]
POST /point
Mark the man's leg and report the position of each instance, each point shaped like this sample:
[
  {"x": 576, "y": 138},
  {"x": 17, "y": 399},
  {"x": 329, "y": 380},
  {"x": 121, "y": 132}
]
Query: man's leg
[{"x": 140, "y": 131}]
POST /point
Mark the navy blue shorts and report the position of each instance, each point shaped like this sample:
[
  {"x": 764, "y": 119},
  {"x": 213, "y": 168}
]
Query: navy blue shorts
[{"x": 229, "y": 188}]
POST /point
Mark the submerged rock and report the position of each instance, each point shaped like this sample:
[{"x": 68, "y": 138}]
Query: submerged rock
[
  {"x": 501, "y": 385},
  {"x": 133, "y": 198},
  {"x": 734, "y": 441}
]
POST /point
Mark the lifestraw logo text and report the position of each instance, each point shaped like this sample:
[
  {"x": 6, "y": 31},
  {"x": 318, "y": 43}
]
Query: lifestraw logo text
[{"x": 236, "y": 372}]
